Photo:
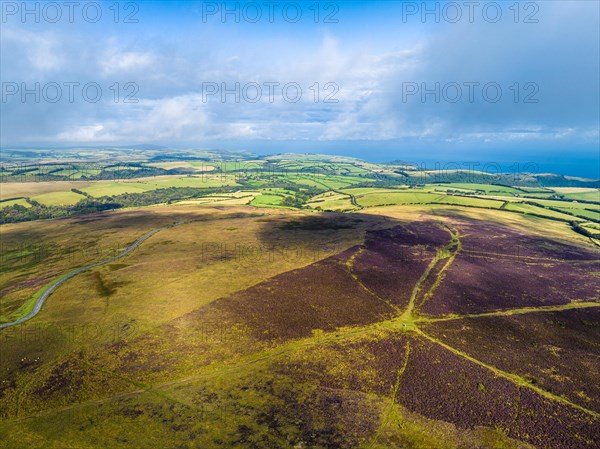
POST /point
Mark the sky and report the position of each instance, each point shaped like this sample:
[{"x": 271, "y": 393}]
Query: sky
[{"x": 381, "y": 80}]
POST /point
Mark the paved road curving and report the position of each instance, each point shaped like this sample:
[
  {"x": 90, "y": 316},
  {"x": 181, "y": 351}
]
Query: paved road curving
[{"x": 40, "y": 302}]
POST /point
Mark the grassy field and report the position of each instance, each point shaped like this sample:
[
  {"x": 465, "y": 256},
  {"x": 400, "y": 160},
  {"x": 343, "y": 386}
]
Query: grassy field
[
  {"x": 200, "y": 181},
  {"x": 541, "y": 190},
  {"x": 335, "y": 183},
  {"x": 530, "y": 209},
  {"x": 107, "y": 187},
  {"x": 115, "y": 188},
  {"x": 196, "y": 166},
  {"x": 366, "y": 190},
  {"x": 231, "y": 199},
  {"x": 579, "y": 193},
  {"x": 413, "y": 196},
  {"x": 392, "y": 198},
  {"x": 585, "y": 196},
  {"x": 19, "y": 201},
  {"x": 32, "y": 260},
  {"x": 469, "y": 202},
  {"x": 332, "y": 201},
  {"x": 584, "y": 213},
  {"x": 58, "y": 198},
  {"x": 29, "y": 189},
  {"x": 574, "y": 205},
  {"x": 487, "y": 188},
  {"x": 267, "y": 200}
]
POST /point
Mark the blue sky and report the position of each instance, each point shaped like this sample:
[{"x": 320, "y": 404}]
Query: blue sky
[{"x": 373, "y": 54}]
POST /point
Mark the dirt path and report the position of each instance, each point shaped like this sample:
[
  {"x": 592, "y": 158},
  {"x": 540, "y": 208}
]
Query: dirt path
[
  {"x": 387, "y": 415},
  {"x": 517, "y": 380},
  {"x": 509, "y": 312},
  {"x": 409, "y": 320},
  {"x": 449, "y": 251}
]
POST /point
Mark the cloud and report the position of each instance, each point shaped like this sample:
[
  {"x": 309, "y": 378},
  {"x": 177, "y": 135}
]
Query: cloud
[
  {"x": 171, "y": 63},
  {"x": 149, "y": 120},
  {"x": 86, "y": 133},
  {"x": 40, "y": 52},
  {"x": 125, "y": 62}
]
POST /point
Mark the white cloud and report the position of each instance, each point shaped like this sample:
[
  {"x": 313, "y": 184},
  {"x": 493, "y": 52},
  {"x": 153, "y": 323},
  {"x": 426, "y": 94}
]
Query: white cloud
[
  {"x": 115, "y": 62},
  {"x": 85, "y": 133},
  {"x": 43, "y": 51}
]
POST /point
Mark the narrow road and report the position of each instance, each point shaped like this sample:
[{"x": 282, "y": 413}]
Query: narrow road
[{"x": 40, "y": 301}]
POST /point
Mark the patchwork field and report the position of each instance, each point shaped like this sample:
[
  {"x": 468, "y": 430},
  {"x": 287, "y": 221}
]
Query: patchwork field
[
  {"x": 314, "y": 182},
  {"x": 42, "y": 189}
]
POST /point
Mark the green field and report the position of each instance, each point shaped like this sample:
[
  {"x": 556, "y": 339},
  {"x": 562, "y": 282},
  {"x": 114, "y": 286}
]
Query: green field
[
  {"x": 115, "y": 188},
  {"x": 536, "y": 190},
  {"x": 103, "y": 188},
  {"x": 591, "y": 214},
  {"x": 592, "y": 195},
  {"x": 368, "y": 190},
  {"x": 392, "y": 198},
  {"x": 422, "y": 197},
  {"x": 487, "y": 188},
  {"x": 469, "y": 201},
  {"x": 530, "y": 209},
  {"x": 20, "y": 202},
  {"x": 266, "y": 200},
  {"x": 58, "y": 198},
  {"x": 332, "y": 201}
]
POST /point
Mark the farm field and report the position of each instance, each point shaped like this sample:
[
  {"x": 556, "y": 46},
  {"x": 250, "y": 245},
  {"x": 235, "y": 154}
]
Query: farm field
[
  {"x": 579, "y": 193},
  {"x": 267, "y": 200},
  {"x": 332, "y": 201},
  {"x": 106, "y": 187},
  {"x": 19, "y": 201},
  {"x": 487, "y": 188},
  {"x": 470, "y": 202},
  {"x": 531, "y": 209},
  {"x": 58, "y": 198},
  {"x": 392, "y": 198},
  {"x": 195, "y": 166},
  {"x": 29, "y": 189},
  {"x": 322, "y": 183}
]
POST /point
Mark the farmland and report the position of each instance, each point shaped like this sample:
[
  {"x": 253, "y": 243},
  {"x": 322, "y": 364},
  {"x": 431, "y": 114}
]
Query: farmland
[
  {"x": 301, "y": 302},
  {"x": 314, "y": 182}
]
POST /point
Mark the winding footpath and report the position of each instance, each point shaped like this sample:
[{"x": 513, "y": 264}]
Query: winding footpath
[{"x": 40, "y": 301}]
